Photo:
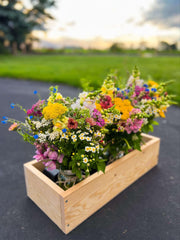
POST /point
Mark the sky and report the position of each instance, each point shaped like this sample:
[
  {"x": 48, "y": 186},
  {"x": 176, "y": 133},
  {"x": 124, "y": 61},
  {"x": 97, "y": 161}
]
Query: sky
[{"x": 99, "y": 23}]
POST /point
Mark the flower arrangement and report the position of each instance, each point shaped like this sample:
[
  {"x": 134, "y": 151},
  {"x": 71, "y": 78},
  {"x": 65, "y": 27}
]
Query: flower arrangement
[{"x": 85, "y": 134}]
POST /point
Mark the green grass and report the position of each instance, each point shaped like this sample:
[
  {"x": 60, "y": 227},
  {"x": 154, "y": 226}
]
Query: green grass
[{"x": 70, "y": 69}]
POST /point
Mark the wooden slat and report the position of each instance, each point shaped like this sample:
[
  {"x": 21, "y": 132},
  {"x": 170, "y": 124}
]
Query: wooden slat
[{"x": 44, "y": 195}]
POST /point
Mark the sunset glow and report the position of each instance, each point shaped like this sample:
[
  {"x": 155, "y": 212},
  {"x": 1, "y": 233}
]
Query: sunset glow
[{"x": 99, "y": 23}]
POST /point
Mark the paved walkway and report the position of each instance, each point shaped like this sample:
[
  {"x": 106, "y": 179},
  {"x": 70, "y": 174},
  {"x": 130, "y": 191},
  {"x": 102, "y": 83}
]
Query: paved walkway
[{"x": 147, "y": 210}]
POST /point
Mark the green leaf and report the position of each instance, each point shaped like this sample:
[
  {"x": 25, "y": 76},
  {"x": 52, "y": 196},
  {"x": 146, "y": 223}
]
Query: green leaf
[
  {"x": 155, "y": 123},
  {"x": 101, "y": 166},
  {"x": 78, "y": 173},
  {"x": 151, "y": 128}
]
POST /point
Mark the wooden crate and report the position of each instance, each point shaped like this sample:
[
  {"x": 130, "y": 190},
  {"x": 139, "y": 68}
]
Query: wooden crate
[{"x": 71, "y": 207}]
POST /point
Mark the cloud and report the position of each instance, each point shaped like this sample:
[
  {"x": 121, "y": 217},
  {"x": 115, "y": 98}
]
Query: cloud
[{"x": 164, "y": 13}]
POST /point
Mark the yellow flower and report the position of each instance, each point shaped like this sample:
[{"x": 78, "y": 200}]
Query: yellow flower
[
  {"x": 58, "y": 96},
  {"x": 124, "y": 107},
  {"x": 107, "y": 91},
  {"x": 162, "y": 110},
  {"x": 98, "y": 106},
  {"x": 54, "y": 110},
  {"x": 103, "y": 90},
  {"x": 51, "y": 99},
  {"x": 153, "y": 83},
  {"x": 58, "y": 125}
]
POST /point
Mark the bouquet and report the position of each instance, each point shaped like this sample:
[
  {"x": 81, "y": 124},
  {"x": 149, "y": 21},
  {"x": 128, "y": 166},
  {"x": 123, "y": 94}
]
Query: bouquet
[{"x": 83, "y": 135}]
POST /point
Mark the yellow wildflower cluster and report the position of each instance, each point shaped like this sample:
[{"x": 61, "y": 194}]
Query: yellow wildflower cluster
[
  {"x": 60, "y": 124},
  {"x": 108, "y": 87},
  {"x": 124, "y": 106},
  {"x": 52, "y": 99},
  {"x": 54, "y": 110}
]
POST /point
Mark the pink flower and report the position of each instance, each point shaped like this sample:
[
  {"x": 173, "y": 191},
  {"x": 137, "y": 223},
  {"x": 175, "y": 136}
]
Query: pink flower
[
  {"x": 47, "y": 152},
  {"x": 105, "y": 102},
  {"x": 53, "y": 155},
  {"x": 29, "y": 112},
  {"x": 51, "y": 165},
  {"x": 91, "y": 121},
  {"x": 13, "y": 127},
  {"x": 98, "y": 117},
  {"x": 72, "y": 123},
  {"x": 135, "y": 111},
  {"x": 39, "y": 157},
  {"x": 60, "y": 158},
  {"x": 36, "y": 109},
  {"x": 133, "y": 125}
]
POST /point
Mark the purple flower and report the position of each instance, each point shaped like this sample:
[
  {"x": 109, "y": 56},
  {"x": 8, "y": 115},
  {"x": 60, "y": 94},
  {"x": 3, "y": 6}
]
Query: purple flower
[
  {"x": 98, "y": 118},
  {"x": 53, "y": 155},
  {"x": 47, "y": 152},
  {"x": 51, "y": 165},
  {"x": 60, "y": 158},
  {"x": 39, "y": 157}
]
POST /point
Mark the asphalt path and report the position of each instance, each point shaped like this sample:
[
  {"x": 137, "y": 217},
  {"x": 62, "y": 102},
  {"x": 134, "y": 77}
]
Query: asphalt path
[{"x": 147, "y": 210}]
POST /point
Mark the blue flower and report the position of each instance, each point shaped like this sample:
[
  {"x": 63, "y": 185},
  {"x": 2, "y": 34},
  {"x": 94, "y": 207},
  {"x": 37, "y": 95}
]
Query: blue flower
[
  {"x": 153, "y": 89},
  {"x": 36, "y": 136},
  {"x": 122, "y": 92},
  {"x": 4, "y": 122},
  {"x": 5, "y": 118},
  {"x": 147, "y": 89},
  {"x": 118, "y": 88},
  {"x": 35, "y": 91},
  {"x": 127, "y": 90},
  {"x": 12, "y": 105},
  {"x": 64, "y": 130},
  {"x": 145, "y": 85},
  {"x": 30, "y": 117},
  {"x": 126, "y": 97},
  {"x": 54, "y": 90}
]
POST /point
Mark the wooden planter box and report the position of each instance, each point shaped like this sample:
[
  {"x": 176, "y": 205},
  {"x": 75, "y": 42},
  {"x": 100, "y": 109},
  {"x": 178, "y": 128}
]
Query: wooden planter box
[{"x": 71, "y": 207}]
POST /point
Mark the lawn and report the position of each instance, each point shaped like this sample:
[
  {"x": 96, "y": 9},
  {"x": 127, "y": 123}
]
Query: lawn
[{"x": 70, "y": 69}]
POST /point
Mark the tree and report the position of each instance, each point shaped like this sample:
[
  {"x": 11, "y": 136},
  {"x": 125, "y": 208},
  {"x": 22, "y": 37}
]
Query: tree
[
  {"x": 117, "y": 47},
  {"x": 17, "y": 23}
]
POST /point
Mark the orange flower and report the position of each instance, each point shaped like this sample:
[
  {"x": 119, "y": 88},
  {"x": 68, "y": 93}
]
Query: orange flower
[
  {"x": 13, "y": 127},
  {"x": 124, "y": 107},
  {"x": 161, "y": 111}
]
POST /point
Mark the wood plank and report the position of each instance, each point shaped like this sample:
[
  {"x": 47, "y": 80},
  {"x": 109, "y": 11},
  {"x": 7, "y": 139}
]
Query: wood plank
[
  {"x": 86, "y": 199},
  {"x": 44, "y": 195}
]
